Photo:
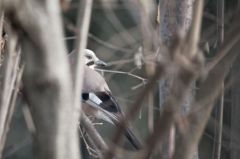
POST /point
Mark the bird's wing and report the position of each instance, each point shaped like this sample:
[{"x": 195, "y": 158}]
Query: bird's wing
[
  {"x": 109, "y": 111},
  {"x": 105, "y": 103},
  {"x": 109, "y": 103}
]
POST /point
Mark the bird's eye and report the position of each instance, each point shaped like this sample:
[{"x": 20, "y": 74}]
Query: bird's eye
[{"x": 88, "y": 56}]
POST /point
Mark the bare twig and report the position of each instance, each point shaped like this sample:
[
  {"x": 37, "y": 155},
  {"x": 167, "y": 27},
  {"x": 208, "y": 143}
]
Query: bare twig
[
  {"x": 219, "y": 130},
  {"x": 92, "y": 132},
  {"x": 13, "y": 59},
  {"x": 116, "y": 23},
  {"x": 220, "y": 31},
  {"x": 70, "y": 26},
  {"x": 13, "y": 100},
  {"x": 150, "y": 43},
  {"x": 1, "y": 38},
  {"x": 194, "y": 33},
  {"x": 91, "y": 150},
  {"x": 109, "y": 45},
  {"x": 122, "y": 72},
  {"x": 233, "y": 37}
]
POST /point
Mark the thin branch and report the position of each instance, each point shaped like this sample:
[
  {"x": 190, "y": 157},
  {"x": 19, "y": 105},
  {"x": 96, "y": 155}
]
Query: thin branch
[
  {"x": 91, "y": 149},
  {"x": 92, "y": 132},
  {"x": 219, "y": 130},
  {"x": 109, "y": 45},
  {"x": 126, "y": 73},
  {"x": 232, "y": 37},
  {"x": 220, "y": 34},
  {"x": 194, "y": 33},
  {"x": 8, "y": 86},
  {"x": 71, "y": 27},
  {"x": 1, "y": 38},
  {"x": 13, "y": 102},
  {"x": 116, "y": 23}
]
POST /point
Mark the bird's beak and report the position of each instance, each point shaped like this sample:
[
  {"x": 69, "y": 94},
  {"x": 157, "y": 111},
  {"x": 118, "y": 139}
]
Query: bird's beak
[{"x": 100, "y": 63}]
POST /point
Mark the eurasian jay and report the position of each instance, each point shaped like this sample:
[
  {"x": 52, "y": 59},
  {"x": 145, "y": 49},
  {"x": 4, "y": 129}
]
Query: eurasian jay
[{"x": 97, "y": 99}]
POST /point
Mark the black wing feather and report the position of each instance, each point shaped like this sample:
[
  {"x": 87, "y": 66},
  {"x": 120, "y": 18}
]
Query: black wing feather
[{"x": 109, "y": 103}]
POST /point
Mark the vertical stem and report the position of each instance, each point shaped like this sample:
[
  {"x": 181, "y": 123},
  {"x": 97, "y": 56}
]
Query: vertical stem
[
  {"x": 84, "y": 16},
  {"x": 196, "y": 26},
  {"x": 11, "y": 105},
  {"x": 7, "y": 88},
  {"x": 93, "y": 134},
  {"x": 1, "y": 22},
  {"x": 150, "y": 112},
  {"x": 148, "y": 48},
  {"x": 1, "y": 38},
  {"x": 171, "y": 142},
  {"x": 220, "y": 30},
  {"x": 219, "y": 137}
]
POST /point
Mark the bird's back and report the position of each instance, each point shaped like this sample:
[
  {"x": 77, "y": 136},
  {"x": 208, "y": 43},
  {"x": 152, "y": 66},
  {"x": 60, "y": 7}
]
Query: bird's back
[{"x": 93, "y": 81}]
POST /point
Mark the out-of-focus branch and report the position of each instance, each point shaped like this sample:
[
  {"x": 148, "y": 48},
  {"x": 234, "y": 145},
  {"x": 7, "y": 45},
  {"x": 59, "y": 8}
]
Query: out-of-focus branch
[
  {"x": 12, "y": 59},
  {"x": 122, "y": 72},
  {"x": 84, "y": 16},
  {"x": 169, "y": 114},
  {"x": 46, "y": 79},
  {"x": 172, "y": 106},
  {"x": 78, "y": 71},
  {"x": 220, "y": 36},
  {"x": 1, "y": 31},
  {"x": 71, "y": 27},
  {"x": 12, "y": 103},
  {"x": 204, "y": 101},
  {"x": 116, "y": 23},
  {"x": 150, "y": 43},
  {"x": 93, "y": 134},
  {"x": 109, "y": 45},
  {"x": 134, "y": 110},
  {"x": 194, "y": 33}
]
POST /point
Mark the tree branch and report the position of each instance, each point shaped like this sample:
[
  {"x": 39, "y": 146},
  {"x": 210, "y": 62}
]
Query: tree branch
[{"x": 46, "y": 78}]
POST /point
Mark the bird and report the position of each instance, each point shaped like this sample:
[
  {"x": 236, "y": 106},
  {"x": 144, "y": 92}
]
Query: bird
[{"x": 97, "y": 98}]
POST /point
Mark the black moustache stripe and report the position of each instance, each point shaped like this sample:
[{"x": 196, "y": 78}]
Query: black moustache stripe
[{"x": 90, "y": 63}]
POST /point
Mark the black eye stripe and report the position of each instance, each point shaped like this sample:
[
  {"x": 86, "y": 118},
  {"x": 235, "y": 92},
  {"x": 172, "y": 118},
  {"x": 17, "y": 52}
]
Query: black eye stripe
[
  {"x": 89, "y": 57},
  {"x": 90, "y": 63}
]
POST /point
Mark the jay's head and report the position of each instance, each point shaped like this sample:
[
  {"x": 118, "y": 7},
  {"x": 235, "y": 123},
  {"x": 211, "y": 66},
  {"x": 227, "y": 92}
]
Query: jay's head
[{"x": 92, "y": 60}]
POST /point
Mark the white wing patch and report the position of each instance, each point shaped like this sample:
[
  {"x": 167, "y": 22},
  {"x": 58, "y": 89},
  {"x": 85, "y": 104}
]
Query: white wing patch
[{"x": 94, "y": 98}]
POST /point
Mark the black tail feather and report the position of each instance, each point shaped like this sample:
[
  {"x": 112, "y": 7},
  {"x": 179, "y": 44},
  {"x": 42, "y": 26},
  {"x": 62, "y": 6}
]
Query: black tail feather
[{"x": 133, "y": 139}]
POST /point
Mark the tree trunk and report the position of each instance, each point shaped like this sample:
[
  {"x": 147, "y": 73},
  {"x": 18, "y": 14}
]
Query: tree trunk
[{"x": 175, "y": 18}]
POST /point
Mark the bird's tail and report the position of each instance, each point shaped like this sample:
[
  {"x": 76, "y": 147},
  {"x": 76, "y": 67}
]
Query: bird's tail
[
  {"x": 128, "y": 132},
  {"x": 133, "y": 139}
]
